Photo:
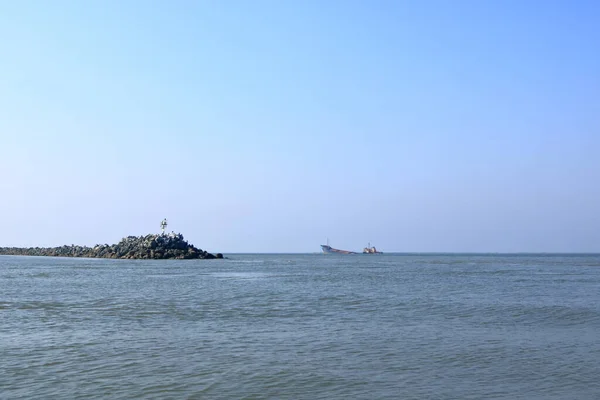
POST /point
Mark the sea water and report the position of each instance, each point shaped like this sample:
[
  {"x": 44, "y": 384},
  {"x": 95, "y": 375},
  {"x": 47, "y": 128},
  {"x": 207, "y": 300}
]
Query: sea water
[{"x": 400, "y": 326}]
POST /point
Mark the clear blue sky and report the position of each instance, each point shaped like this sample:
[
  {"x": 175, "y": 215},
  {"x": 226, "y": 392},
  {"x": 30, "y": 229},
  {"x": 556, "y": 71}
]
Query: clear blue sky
[{"x": 268, "y": 126}]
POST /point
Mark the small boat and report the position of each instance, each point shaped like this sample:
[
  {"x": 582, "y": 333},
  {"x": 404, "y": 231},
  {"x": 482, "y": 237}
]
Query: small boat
[
  {"x": 371, "y": 250},
  {"x": 327, "y": 249}
]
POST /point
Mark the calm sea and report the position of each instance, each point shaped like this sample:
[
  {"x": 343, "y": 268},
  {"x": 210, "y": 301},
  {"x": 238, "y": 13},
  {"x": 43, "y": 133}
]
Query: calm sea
[{"x": 302, "y": 327}]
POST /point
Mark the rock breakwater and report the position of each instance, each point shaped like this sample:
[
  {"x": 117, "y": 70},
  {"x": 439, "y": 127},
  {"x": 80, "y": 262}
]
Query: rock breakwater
[{"x": 155, "y": 247}]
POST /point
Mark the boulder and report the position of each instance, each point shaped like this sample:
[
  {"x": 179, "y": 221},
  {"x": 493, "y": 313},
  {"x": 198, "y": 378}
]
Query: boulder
[{"x": 171, "y": 246}]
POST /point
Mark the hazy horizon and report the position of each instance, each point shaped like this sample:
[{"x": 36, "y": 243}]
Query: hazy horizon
[{"x": 261, "y": 127}]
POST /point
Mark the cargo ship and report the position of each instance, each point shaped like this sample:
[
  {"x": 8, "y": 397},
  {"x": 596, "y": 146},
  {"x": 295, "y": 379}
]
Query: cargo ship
[
  {"x": 327, "y": 249},
  {"x": 371, "y": 250}
]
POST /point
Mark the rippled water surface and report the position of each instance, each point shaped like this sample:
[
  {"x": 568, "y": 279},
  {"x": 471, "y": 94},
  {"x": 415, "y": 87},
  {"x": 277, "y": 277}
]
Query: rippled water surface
[{"x": 302, "y": 327}]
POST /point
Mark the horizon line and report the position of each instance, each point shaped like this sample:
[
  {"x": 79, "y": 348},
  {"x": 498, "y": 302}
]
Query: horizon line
[{"x": 433, "y": 252}]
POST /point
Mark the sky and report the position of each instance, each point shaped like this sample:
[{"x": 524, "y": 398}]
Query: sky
[{"x": 271, "y": 126}]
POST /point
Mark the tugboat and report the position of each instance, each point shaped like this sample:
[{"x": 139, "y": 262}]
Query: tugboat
[
  {"x": 327, "y": 249},
  {"x": 371, "y": 250}
]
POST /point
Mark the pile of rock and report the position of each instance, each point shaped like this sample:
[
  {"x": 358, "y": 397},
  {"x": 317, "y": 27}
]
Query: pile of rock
[{"x": 157, "y": 247}]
